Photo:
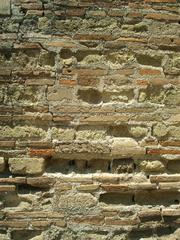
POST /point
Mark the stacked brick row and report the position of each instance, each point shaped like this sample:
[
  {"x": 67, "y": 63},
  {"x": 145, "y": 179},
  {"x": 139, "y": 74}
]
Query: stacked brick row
[{"x": 89, "y": 119}]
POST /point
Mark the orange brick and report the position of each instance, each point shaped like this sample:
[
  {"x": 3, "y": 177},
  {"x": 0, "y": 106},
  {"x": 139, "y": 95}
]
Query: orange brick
[
  {"x": 160, "y": 1},
  {"x": 67, "y": 82},
  {"x": 148, "y": 71},
  {"x": 163, "y": 17},
  {"x": 163, "y": 151},
  {"x": 41, "y": 152},
  {"x": 142, "y": 82}
]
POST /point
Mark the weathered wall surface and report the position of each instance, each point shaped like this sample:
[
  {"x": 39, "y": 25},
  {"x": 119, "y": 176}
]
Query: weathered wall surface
[{"x": 89, "y": 119}]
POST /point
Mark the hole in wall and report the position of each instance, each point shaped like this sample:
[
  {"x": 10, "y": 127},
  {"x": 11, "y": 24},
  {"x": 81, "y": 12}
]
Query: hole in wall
[
  {"x": 71, "y": 163},
  {"x": 165, "y": 230},
  {"x": 119, "y": 131},
  {"x": 23, "y": 10},
  {"x": 176, "y": 201},
  {"x": 124, "y": 165},
  {"x": 7, "y": 53},
  {"x": 91, "y": 96},
  {"x": 24, "y": 234},
  {"x": 109, "y": 166},
  {"x": 152, "y": 197},
  {"x": 10, "y": 199},
  {"x": 98, "y": 165},
  {"x": 27, "y": 189},
  {"x": 117, "y": 198},
  {"x": 133, "y": 198},
  {"x": 173, "y": 166},
  {"x": 137, "y": 234},
  {"x": 69, "y": 70},
  {"x": 156, "y": 197}
]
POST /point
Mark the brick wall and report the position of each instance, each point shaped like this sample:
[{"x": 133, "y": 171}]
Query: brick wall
[{"x": 89, "y": 119}]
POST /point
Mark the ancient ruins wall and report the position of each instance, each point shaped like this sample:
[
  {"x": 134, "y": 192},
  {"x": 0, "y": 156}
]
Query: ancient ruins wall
[{"x": 89, "y": 119}]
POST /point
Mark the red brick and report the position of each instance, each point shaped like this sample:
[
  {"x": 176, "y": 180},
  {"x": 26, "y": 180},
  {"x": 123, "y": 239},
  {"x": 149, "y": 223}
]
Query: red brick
[
  {"x": 160, "y": 1},
  {"x": 67, "y": 82},
  {"x": 41, "y": 152},
  {"x": 148, "y": 71},
  {"x": 163, "y": 17},
  {"x": 163, "y": 151}
]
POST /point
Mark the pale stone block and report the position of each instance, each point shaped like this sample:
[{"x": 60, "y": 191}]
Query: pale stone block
[
  {"x": 2, "y": 164},
  {"x": 25, "y": 166},
  {"x": 5, "y": 7},
  {"x": 126, "y": 147}
]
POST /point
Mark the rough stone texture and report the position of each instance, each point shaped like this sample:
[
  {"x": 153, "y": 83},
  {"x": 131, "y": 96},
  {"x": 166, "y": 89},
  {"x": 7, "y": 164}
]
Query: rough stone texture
[
  {"x": 5, "y": 7},
  {"x": 26, "y": 166},
  {"x": 89, "y": 119}
]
